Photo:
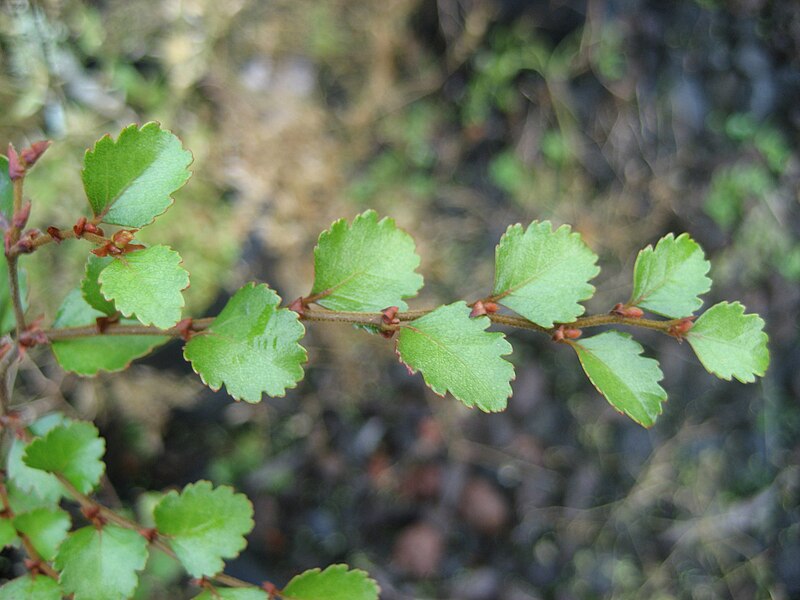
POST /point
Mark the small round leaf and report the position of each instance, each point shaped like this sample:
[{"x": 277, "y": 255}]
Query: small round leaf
[
  {"x": 730, "y": 343},
  {"x": 543, "y": 274},
  {"x": 669, "y": 278},
  {"x": 31, "y": 587},
  {"x": 456, "y": 354},
  {"x": 366, "y": 266},
  {"x": 628, "y": 380},
  {"x": 204, "y": 525},
  {"x": 74, "y": 450},
  {"x": 147, "y": 283},
  {"x": 46, "y": 528},
  {"x": 101, "y": 564},
  {"x": 251, "y": 346},
  {"x": 129, "y": 181}
]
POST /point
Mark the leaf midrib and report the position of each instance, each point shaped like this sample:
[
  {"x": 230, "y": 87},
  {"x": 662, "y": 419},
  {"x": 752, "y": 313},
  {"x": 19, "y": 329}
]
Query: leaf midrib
[
  {"x": 618, "y": 380},
  {"x": 540, "y": 274},
  {"x": 669, "y": 276},
  {"x": 110, "y": 202}
]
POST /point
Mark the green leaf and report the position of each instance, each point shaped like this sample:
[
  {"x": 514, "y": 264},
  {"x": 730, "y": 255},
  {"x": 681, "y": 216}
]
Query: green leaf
[
  {"x": 129, "y": 182},
  {"x": 8, "y": 320},
  {"x": 147, "y": 283},
  {"x": 730, "y": 343},
  {"x": 31, "y": 587},
  {"x": 21, "y": 502},
  {"x": 7, "y": 532},
  {"x": 365, "y": 267},
  {"x": 233, "y": 594},
  {"x": 46, "y": 528},
  {"x": 74, "y": 450},
  {"x": 90, "y": 286},
  {"x": 90, "y": 355},
  {"x": 251, "y": 346},
  {"x": 629, "y": 381},
  {"x": 543, "y": 274},
  {"x": 455, "y": 354},
  {"x": 48, "y": 422},
  {"x": 668, "y": 279},
  {"x": 30, "y": 488},
  {"x": 34, "y": 482},
  {"x": 204, "y": 525},
  {"x": 101, "y": 564},
  {"x": 334, "y": 583}
]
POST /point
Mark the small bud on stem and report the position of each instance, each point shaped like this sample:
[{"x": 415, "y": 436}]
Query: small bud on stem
[
  {"x": 34, "y": 152},
  {"x": 628, "y": 312},
  {"x": 681, "y": 328},
  {"x": 184, "y": 327},
  {"x": 18, "y": 164},
  {"x": 20, "y": 219},
  {"x": 299, "y": 306},
  {"x": 16, "y": 170},
  {"x": 566, "y": 333},
  {"x": 103, "y": 322},
  {"x": 478, "y": 310}
]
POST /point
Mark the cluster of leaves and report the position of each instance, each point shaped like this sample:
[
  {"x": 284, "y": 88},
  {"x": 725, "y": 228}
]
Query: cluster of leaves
[
  {"x": 131, "y": 298},
  {"x": 201, "y": 525},
  {"x": 252, "y": 347}
]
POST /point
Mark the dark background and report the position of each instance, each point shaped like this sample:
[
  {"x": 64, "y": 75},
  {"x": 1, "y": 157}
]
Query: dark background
[{"x": 626, "y": 119}]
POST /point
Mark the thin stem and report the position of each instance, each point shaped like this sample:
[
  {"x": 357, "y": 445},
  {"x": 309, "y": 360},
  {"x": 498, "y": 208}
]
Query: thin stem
[
  {"x": 13, "y": 275},
  {"x": 517, "y": 322},
  {"x": 356, "y": 318},
  {"x": 334, "y": 316},
  {"x": 598, "y": 320},
  {"x": 63, "y": 234},
  {"x": 68, "y": 333},
  {"x": 157, "y": 542},
  {"x": 16, "y": 294}
]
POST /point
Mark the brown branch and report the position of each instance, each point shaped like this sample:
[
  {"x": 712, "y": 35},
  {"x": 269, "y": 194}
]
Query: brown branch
[
  {"x": 57, "y": 236},
  {"x": 155, "y": 540},
  {"x": 68, "y": 333},
  {"x": 357, "y": 318},
  {"x": 13, "y": 274},
  {"x": 16, "y": 293},
  {"x": 376, "y": 319}
]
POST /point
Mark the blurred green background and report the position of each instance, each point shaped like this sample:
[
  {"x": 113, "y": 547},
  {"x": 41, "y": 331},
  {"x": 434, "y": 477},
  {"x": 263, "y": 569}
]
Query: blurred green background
[{"x": 625, "y": 118}]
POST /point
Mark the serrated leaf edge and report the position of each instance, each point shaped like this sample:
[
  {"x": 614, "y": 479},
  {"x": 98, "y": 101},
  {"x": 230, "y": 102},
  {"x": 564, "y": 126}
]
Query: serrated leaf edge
[
  {"x": 495, "y": 334},
  {"x": 205, "y": 484},
  {"x": 383, "y": 223},
  {"x": 650, "y": 249},
  {"x": 136, "y": 569},
  {"x": 223, "y": 384},
  {"x": 563, "y": 230},
  {"x": 764, "y": 338},
  {"x": 345, "y": 568},
  {"x": 640, "y": 354},
  {"x": 85, "y": 280},
  {"x": 115, "y": 141},
  {"x": 43, "y": 440},
  {"x": 131, "y": 314}
]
